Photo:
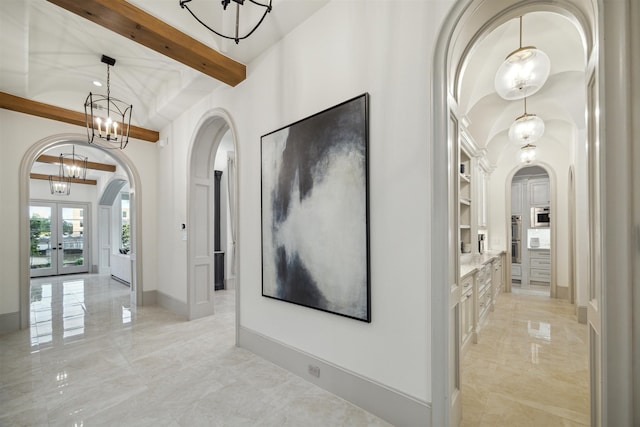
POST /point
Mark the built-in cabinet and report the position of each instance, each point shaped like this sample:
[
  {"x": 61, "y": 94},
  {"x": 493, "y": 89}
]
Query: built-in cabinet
[
  {"x": 482, "y": 273},
  {"x": 540, "y": 266},
  {"x": 539, "y": 192},
  {"x": 464, "y": 201},
  {"x": 481, "y": 285},
  {"x": 516, "y": 197}
]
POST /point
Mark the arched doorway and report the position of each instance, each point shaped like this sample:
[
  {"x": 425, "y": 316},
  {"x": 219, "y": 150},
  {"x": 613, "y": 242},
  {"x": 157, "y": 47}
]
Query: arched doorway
[
  {"x": 24, "y": 245},
  {"x": 532, "y": 187},
  {"x": 468, "y": 22},
  {"x": 201, "y": 232}
]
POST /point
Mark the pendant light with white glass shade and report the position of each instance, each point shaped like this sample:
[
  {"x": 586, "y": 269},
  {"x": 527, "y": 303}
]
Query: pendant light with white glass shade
[
  {"x": 527, "y": 128},
  {"x": 523, "y": 72},
  {"x": 527, "y": 153}
]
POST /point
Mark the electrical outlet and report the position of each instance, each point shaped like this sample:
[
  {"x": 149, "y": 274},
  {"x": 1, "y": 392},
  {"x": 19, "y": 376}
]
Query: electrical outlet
[{"x": 314, "y": 370}]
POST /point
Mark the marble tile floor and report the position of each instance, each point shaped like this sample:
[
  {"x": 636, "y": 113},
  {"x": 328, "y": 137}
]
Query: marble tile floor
[
  {"x": 529, "y": 367},
  {"x": 90, "y": 360}
]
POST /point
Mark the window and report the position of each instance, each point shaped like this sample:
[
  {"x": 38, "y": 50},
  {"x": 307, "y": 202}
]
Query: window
[{"x": 125, "y": 227}]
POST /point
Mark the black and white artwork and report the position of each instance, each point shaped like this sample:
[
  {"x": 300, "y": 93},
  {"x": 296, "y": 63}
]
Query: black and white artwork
[{"x": 315, "y": 234}]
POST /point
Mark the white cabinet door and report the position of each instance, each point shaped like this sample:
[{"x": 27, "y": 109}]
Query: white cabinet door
[
  {"x": 482, "y": 199},
  {"x": 516, "y": 198},
  {"x": 539, "y": 192}
]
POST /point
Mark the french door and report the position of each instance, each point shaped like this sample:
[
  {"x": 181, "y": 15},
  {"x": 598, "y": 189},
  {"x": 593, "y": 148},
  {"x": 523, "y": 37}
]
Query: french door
[{"x": 58, "y": 238}]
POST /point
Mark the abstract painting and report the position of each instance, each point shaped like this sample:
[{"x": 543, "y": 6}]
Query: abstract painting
[{"x": 315, "y": 210}]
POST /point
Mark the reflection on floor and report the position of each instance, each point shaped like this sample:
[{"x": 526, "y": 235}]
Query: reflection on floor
[
  {"x": 529, "y": 368},
  {"x": 543, "y": 291},
  {"x": 89, "y": 359}
]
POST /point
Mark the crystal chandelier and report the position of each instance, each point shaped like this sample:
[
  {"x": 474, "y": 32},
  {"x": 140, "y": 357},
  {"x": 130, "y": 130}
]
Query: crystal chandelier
[
  {"x": 108, "y": 119},
  {"x": 523, "y": 72},
  {"x": 246, "y": 32}
]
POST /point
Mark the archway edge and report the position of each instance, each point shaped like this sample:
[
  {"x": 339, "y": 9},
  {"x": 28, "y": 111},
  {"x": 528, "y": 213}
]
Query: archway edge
[
  {"x": 28, "y": 159},
  {"x": 208, "y": 132},
  {"x": 451, "y": 49}
]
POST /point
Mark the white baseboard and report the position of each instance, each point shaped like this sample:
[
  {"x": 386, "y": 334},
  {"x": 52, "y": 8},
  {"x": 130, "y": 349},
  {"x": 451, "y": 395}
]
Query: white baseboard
[
  {"x": 582, "y": 314},
  {"x": 391, "y": 405},
  {"x": 562, "y": 292},
  {"x": 9, "y": 322},
  {"x": 150, "y": 298},
  {"x": 172, "y": 304}
]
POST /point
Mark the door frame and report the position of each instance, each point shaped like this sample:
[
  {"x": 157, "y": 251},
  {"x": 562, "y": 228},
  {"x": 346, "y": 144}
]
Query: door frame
[
  {"x": 202, "y": 152},
  {"x": 612, "y": 45},
  {"x": 56, "y": 207},
  {"x": 24, "y": 245}
]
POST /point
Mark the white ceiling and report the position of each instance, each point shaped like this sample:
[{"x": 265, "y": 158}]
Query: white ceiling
[{"x": 53, "y": 56}]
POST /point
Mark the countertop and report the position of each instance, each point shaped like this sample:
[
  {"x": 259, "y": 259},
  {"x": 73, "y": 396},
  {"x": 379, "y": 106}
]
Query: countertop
[{"x": 471, "y": 263}]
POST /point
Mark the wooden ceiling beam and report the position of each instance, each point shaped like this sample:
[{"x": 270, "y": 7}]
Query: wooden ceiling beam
[
  {"x": 73, "y": 180},
  {"x": 137, "y": 25},
  {"x": 68, "y": 161},
  {"x": 35, "y": 108}
]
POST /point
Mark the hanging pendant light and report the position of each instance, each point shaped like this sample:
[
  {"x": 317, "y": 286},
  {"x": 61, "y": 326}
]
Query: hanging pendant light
[
  {"x": 527, "y": 153},
  {"x": 523, "y": 72},
  {"x": 74, "y": 166},
  {"x": 108, "y": 119},
  {"x": 527, "y": 128},
  {"x": 59, "y": 185},
  {"x": 235, "y": 20}
]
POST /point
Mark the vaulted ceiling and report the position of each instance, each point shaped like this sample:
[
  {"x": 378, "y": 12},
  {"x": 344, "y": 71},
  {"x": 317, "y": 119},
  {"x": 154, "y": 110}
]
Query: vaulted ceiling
[
  {"x": 52, "y": 55},
  {"x": 560, "y": 102}
]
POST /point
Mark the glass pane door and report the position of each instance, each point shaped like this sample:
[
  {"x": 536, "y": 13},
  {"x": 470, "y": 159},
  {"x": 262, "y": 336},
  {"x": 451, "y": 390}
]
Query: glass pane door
[
  {"x": 71, "y": 253},
  {"x": 44, "y": 245},
  {"x": 58, "y": 242}
]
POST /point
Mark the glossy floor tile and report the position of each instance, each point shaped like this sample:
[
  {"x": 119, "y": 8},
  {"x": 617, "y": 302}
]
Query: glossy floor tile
[
  {"x": 529, "y": 367},
  {"x": 90, "y": 359}
]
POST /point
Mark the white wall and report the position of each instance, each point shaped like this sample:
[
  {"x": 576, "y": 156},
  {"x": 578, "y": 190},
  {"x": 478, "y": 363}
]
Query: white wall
[
  {"x": 344, "y": 50},
  {"x": 18, "y": 132}
]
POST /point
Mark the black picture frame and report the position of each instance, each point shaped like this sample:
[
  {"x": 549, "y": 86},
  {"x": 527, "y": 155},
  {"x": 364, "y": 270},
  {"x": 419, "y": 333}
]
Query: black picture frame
[{"x": 315, "y": 211}]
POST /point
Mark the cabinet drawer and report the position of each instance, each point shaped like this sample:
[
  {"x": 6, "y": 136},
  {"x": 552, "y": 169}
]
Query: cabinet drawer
[
  {"x": 542, "y": 264},
  {"x": 540, "y": 275},
  {"x": 466, "y": 283},
  {"x": 516, "y": 270},
  {"x": 539, "y": 255}
]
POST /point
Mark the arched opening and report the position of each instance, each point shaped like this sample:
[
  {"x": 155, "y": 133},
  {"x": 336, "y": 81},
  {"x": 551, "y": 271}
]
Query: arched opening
[
  {"x": 131, "y": 173},
  {"x": 531, "y": 191},
  {"x": 468, "y": 23},
  {"x": 215, "y": 130}
]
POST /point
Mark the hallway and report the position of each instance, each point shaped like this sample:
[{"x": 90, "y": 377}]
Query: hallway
[
  {"x": 89, "y": 360},
  {"x": 529, "y": 368}
]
